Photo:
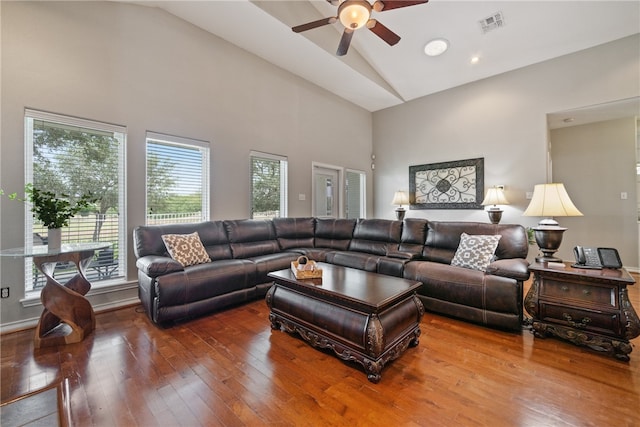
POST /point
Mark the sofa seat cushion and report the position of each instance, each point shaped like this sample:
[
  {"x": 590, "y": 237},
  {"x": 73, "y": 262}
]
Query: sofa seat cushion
[
  {"x": 265, "y": 264},
  {"x": 203, "y": 281},
  {"x": 359, "y": 260},
  {"x": 315, "y": 254},
  {"x": 464, "y": 286}
]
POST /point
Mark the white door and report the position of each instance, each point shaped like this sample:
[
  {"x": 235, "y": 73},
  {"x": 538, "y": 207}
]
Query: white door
[{"x": 326, "y": 194}]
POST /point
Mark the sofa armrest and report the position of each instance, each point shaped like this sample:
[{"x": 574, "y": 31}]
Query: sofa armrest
[
  {"x": 401, "y": 255},
  {"x": 515, "y": 268},
  {"x": 155, "y": 265}
]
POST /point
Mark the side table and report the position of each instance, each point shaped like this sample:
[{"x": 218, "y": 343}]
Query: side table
[
  {"x": 67, "y": 316},
  {"x": 586, "y": 307}
]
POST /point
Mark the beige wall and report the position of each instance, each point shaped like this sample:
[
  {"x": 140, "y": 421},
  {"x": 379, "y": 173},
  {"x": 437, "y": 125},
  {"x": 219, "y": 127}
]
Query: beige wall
[
  {"x": 502, "y": 119},
  {"x": 143, "y": 68},
  {"x": 140, "y": 67},
  {"x": 597, "y": 162}
]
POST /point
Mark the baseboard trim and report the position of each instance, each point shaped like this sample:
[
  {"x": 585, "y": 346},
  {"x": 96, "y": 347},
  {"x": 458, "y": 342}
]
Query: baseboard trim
[{"x": 21, "y": 325}]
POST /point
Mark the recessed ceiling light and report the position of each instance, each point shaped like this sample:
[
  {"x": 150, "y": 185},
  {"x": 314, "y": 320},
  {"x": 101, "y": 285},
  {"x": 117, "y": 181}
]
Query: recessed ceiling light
[
  {"x": 475, "y": 59},
  {"x": 436, "y": 47}
]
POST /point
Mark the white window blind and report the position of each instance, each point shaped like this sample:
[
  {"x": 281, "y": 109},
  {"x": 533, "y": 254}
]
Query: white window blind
[
  {"x": 177, "y": 179},
  {"x": 269, "y": 192},
  {"x": 73, "y": 156}
]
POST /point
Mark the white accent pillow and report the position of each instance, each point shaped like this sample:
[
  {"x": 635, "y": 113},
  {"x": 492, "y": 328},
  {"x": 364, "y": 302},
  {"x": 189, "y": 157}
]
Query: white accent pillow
[{"x": 476, "y": 251}]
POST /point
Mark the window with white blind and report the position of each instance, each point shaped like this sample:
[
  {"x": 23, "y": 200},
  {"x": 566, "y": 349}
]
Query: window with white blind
[
  {"x": 356, "y": 190},
  {"x": 177, "y": 179},
  {"x": 72, "y": 156},
  {"x": 268, "y": 185}
]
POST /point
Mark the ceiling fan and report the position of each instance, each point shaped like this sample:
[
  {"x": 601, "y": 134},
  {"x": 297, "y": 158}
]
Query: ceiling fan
[{"x": 354, "y": 14}]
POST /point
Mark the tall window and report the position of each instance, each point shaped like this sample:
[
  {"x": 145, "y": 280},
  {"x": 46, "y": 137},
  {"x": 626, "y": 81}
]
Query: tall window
[
  {"x": 177, "y": 179},
  {"x": 268, "y": 185},
  {"x": 355, "y": 190},
  {"x": 68, "y": 155}
]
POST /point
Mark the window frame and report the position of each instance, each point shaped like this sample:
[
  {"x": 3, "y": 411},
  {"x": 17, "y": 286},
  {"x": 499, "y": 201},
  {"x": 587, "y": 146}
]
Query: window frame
[
  {"x": 190, "y": 143},
  {"x": 31, "y": 115},
  {"x": 284, "y": 180}
]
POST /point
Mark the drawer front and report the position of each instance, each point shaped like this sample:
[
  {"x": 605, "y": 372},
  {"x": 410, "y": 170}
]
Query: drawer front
[
  {"x": 590, "y": 294},
  {"x": 605, "y": 323}
]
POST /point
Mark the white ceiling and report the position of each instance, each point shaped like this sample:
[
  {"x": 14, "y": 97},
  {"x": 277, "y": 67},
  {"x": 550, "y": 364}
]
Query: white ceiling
[{"x": 375, "y": 75}]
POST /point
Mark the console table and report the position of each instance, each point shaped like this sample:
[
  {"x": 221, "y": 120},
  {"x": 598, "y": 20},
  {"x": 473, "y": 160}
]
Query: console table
[
  {"x": 67, "y": 316},
  {"x": 586, "y": 307}
]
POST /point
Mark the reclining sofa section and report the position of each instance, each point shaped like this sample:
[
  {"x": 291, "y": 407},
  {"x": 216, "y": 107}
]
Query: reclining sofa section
[{"x": 242, "y": 252}]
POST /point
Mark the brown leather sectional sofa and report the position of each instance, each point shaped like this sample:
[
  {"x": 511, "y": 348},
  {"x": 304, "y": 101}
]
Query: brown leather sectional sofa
[{"x": 243, "y": 252}]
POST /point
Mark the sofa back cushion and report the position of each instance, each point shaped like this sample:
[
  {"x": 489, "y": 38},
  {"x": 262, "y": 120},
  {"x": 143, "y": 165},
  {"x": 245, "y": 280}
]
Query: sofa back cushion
[
  {"x": 443, "y": 238},
  {"x": 334, "y": 233},
  {"x": 294, "y": 232},
  {"x": 148, "y": 238},
  {"x": 414, "y": 231},
  {"x": 376, "y": 236},
  {"x": 251, "y": 237}
]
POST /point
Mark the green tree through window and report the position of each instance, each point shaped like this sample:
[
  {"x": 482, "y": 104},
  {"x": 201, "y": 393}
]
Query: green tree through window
[{"x": 268, "y": 186}]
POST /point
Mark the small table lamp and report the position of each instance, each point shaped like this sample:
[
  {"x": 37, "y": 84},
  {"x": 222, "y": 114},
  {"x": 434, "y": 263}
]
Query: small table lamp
[
  {"x": 550, "y": 200},
  {"x": 495, "y": 196},
  {"x": 400, "y": 198}
]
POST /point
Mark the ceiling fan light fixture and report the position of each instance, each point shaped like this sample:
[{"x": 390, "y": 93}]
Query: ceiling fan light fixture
[
  {"x": 436, "y": 47},
  {"x": 354, "y": 14}
]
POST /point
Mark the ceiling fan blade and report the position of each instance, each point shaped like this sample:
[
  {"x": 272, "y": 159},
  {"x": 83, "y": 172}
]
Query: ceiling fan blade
[
  {"x": 380, "y": 5},
  {"x": 383, "y": 32},
  {"x": 314, "y": 24},
  {"x": 345, "y": 41}
]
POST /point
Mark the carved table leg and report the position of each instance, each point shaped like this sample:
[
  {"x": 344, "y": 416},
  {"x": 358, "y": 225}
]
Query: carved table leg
[{"x": 64, "y": 304}]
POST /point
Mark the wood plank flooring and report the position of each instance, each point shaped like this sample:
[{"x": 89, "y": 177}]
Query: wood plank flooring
[{"x": 231, "y": 369}]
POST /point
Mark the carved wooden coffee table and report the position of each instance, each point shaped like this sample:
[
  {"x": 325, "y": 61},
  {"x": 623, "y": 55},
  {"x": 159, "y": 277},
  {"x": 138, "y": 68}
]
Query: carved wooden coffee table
[{"x": 364, "y": 317}]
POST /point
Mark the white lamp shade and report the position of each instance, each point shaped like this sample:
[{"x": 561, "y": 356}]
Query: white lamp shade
[
  {"x": 400, "y": 198},
  {"x": 495, "y": 196},
  {"x": 551, "y": 200},
  {"x": 355, "y": 14}
]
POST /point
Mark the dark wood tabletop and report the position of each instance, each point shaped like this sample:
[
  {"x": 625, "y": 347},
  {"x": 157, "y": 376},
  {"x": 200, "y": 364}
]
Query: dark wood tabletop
[{"x": 354, "y": 287}]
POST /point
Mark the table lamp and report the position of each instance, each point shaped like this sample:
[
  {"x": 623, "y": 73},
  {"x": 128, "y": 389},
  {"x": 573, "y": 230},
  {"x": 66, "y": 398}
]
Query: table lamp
[
  {"x": 495, "y": 196},
  {"x": 550, "y": 200},
  {"x": 400, "y": 198}
]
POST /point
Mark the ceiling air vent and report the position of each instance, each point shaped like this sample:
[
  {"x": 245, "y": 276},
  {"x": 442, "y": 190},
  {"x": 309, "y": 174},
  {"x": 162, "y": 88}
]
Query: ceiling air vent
[{"x": 492, "y": 22}]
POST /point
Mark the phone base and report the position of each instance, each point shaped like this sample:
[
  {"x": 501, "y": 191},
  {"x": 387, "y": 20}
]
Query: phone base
[{"x": 587, "y": 267}]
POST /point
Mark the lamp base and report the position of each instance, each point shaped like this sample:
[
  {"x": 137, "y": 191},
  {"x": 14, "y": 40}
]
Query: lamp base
[
  {"x": 546, "y": 258},
  {"x": 400, "y": 212},
  {"x": 495, "y": 215},
  {"x": 548, "y": 238}
]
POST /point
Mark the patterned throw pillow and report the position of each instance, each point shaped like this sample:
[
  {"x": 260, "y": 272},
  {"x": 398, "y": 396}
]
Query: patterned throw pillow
[
  {"x": 475, "y": 251},
  {"x": 187, "y": 249}
]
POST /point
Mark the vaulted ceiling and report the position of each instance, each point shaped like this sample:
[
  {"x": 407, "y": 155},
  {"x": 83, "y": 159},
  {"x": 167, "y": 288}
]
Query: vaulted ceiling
[{"x": 375, "y": 75}]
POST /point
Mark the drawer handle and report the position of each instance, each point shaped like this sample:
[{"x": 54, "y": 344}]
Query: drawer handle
[
  {"x": 586, "y": 291},
  {"x": 578, "y": 325},
  {"x": 564, "y": 288}
]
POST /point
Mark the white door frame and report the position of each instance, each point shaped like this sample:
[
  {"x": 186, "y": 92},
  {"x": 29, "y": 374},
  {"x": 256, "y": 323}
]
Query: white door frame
[{"x": 315, "y": 166}]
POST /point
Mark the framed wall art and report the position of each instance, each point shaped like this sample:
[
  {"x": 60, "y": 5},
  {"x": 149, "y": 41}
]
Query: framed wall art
[{"x": 448, "y": 185}]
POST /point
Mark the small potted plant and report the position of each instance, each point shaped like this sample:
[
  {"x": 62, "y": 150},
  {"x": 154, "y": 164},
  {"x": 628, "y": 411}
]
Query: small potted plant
[{"x": 52, "y": 211}]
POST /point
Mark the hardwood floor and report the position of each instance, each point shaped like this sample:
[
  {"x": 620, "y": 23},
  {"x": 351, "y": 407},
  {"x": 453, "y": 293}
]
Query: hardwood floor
[{"x": 231, "y": 369}]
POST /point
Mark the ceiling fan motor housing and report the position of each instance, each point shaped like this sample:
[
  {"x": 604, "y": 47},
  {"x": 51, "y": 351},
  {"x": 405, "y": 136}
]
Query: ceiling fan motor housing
[{"x": 354, "y": 14}]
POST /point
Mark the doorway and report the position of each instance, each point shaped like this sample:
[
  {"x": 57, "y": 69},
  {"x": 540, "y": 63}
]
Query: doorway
[{"x": 327, "y": 202}]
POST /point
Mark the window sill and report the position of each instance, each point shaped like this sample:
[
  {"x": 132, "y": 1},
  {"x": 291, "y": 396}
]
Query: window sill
[{"x": 32, "y": 299}]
